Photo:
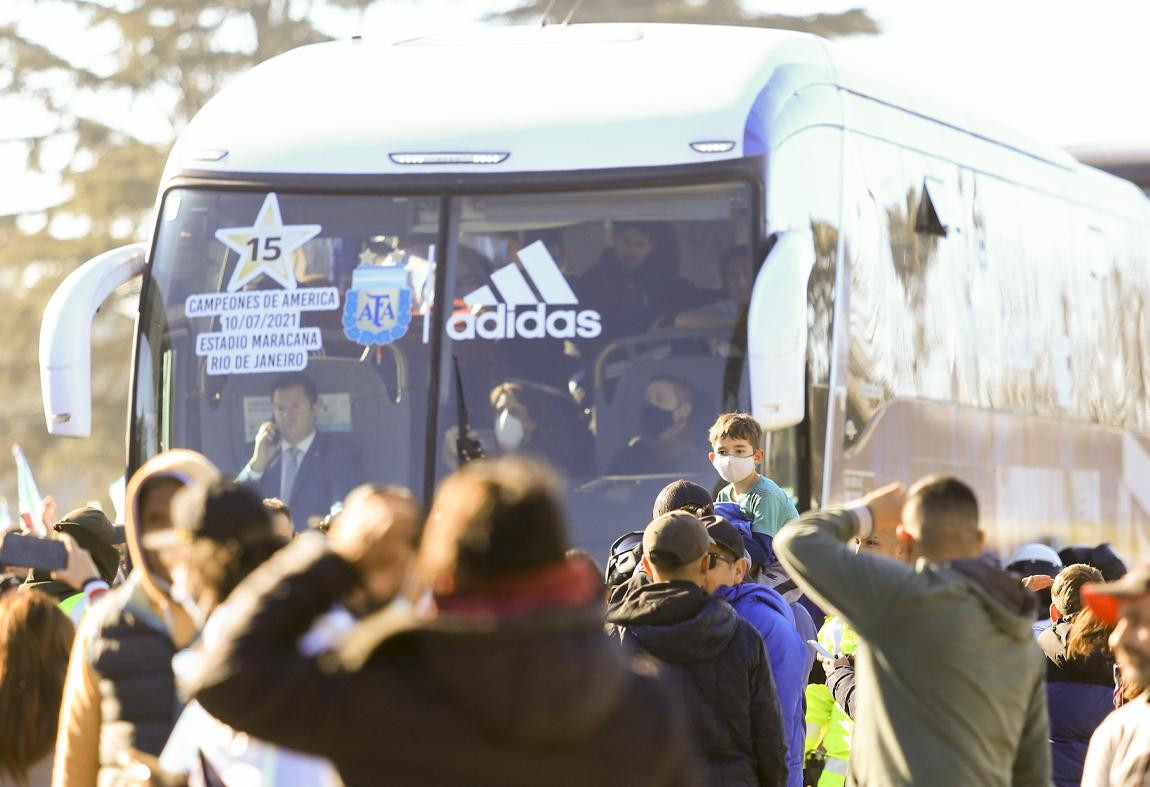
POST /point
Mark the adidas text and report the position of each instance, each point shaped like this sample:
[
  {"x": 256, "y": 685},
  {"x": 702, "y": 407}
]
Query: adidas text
[{"x": 534, "y": 322}]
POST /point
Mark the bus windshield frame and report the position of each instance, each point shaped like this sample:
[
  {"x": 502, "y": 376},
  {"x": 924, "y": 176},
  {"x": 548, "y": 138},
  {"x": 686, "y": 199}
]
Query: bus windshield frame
[{"x": 453, "y": 206}]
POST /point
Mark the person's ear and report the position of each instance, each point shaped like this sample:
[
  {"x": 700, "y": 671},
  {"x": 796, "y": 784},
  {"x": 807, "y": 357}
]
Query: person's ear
[
  {"x": 711, "y": 456},
  {"x": 759, "y": 456},
  {"x": 1054, "y": 613},
  {"x": 740, "y": 569},
  {"x": 647, "y": 567},
  {"x": 981, "y": 541},
  {"x": 903, "y": 536},
  {"x": 705, "y": 564}
]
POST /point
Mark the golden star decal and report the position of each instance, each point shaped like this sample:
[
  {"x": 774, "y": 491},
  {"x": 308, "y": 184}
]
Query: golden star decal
[
  {"x": 266, "y": 246},
  {"x": 367, "y": 257}
]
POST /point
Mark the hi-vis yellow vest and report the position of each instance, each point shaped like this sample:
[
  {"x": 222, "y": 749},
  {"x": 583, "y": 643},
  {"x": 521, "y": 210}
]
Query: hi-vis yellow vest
[{"x": 827, "y": 723}]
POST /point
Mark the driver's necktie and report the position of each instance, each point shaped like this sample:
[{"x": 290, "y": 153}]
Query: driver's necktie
[{"x": 291, "y": 467}]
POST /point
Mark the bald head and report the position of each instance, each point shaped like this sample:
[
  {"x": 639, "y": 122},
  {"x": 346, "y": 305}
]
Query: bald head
[{"x": 940, "y": 517}]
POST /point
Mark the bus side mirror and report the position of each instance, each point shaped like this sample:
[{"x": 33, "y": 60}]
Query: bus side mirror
[
  {"x": 777, "y": 332},
  {"x": 65, "y": 337}
]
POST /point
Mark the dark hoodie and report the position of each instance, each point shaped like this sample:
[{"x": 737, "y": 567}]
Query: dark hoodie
[
  {"x": 951, "y": 687},
  {"x": 718, "y": 662},
  {"x": 541, "y": 698},
  {"x": 1080, "y": 694}
]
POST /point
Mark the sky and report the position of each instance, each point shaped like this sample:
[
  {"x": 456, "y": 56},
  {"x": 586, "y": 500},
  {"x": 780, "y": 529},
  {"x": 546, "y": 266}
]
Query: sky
[{"x": 1066, "y": 73}]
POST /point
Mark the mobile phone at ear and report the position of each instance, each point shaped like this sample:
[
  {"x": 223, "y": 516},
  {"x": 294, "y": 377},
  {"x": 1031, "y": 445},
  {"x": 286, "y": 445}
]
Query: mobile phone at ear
[{"x": 32, "y": 552}]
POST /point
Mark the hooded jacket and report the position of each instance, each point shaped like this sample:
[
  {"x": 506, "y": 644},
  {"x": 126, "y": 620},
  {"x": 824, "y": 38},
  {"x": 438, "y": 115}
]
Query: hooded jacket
[
  {"x": 788, "y": 653},
  {"x": 1080, "y": 694},
  {"x": 717, "y": 661},
  {"x": 540, "y": 698},
  {"x": 950, "y": 682},
  {"x": 119, "y": 691}
]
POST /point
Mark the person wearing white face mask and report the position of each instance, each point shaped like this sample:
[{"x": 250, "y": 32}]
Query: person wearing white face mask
[
  {"x": 735, "y": 453},
  {"x": 532, "y": 418}
]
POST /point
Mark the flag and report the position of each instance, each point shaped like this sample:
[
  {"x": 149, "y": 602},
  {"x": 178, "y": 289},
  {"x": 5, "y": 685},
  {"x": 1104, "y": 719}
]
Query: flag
[
  {"x": 29, "y": 503},
  {"x": 116, "y": 491}
]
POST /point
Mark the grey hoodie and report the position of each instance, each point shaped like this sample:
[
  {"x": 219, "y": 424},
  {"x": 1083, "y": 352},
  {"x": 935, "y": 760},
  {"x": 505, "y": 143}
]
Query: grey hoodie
[{"x": 950, "y": 683}]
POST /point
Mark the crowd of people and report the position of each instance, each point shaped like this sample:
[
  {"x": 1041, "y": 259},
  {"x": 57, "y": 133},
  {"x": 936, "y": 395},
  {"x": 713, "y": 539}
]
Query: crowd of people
[{"x": 729, "y": 641}]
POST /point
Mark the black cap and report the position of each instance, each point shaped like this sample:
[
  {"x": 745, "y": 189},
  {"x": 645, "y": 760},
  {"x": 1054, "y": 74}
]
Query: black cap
[
  {"x": 1102, "y": 557},
  {"x": 682, "y": 494},
  {"x": 724, "y": 534},
  {"x": 94, "y": 521},
  {"x": 222, "y": 511},
  {"x": 675, "y": 539},
  {"x": 95, "y": 534}
]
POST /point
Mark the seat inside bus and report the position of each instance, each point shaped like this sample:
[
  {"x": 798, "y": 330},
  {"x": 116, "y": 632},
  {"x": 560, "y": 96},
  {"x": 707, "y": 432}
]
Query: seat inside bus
[
  {"x": 355, "y": 401},
  {"x": 625, "y": 369}
]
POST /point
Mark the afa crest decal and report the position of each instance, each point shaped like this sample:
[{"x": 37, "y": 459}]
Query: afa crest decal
[{"x": 378, "y": 306}]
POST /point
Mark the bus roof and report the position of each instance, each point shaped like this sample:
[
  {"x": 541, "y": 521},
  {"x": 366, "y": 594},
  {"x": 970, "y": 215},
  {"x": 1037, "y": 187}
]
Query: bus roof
[
  {"x": 553, "y": 98},
  {"x": 583, "y": 97}
]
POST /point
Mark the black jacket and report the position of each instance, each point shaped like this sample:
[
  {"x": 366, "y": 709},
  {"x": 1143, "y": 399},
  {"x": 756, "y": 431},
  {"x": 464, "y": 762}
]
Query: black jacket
[
  {"x": 720, "y": 665},
  {"x": 543, "y": 699}
]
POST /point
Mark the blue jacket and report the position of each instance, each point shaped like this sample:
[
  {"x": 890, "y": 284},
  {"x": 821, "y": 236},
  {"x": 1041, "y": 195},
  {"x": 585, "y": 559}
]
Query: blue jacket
[
  {"x": 1079, "y": 695},
  {"x": 774, "y": 619}
]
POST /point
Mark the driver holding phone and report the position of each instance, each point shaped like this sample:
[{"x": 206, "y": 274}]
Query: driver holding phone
[{"x": 309, "y": 470}]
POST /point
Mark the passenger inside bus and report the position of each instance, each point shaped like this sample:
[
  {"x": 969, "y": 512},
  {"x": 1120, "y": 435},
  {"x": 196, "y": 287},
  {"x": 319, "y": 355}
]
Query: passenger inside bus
[
  {"x": 537, "y": 419},
  {"x": 636, "y": 285},
  {"x": 730, "y": 306},
  {"x": 672, "y": 432}
]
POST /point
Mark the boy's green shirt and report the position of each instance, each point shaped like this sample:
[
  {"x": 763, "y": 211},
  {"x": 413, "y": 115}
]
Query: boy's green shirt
[{"x": 765, "y": 503}]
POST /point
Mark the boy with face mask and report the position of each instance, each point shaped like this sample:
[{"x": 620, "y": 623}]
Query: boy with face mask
[{"x": 735, "y": 442}]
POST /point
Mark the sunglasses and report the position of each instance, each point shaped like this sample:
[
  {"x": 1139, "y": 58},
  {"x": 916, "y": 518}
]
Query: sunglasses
[{"x": 715, "y": 557}]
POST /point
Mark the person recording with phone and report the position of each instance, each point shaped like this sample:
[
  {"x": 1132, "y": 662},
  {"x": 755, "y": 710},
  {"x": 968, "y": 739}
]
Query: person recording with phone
[{"x": 310, "y": 471}]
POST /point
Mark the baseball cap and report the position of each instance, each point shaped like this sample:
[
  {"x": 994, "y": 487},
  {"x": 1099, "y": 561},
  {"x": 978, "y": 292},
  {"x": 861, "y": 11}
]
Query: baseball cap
[
  {"x": 96, "y": 534},
  {"x": 94, "y": 521},
  {"x": 675, "y": 539},
  {"x": 1102, "y": 557},
  {"x": 1066, "y": 590},
  {"x": 681, "y": 494},
  {"x": 223, "y": 511},
  {"x": 1104, "y": 599},
  {"x": 724, "y": 534}
]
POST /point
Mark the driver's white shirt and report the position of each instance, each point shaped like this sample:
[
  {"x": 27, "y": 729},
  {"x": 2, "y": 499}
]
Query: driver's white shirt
[{"x": 248, "y": 474}]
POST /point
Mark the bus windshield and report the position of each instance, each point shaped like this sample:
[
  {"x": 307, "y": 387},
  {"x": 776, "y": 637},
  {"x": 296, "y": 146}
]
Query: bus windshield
[{"x": 289, "y": 337}]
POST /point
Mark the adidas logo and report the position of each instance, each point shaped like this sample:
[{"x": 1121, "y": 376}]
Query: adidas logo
[{"x": 517, "y": 313}]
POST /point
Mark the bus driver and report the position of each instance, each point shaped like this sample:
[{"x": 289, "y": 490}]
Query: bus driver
[{"x": 308, "y": 470}]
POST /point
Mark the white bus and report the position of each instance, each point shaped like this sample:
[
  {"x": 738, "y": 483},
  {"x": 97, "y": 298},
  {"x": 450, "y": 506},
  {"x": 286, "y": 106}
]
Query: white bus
[{"x": 619, "y": 231}]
